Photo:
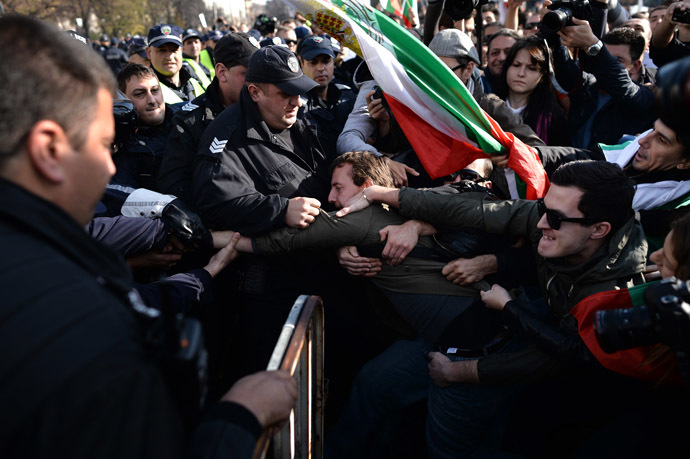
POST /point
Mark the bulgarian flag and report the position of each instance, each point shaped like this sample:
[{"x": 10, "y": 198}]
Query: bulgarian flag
[
  {"x": 404, "y": 9},
  {"x": 629, "y": 362},
  {"x": 440, "y": 118}
]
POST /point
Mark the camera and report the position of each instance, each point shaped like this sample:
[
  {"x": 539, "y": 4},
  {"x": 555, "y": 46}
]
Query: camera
[
  {"x": 682, "y": 16},
  {"x": 265, "y": 25},
  {"x": 126, "y": 119},
  {"x": 176, "y": 344},
  {"x": 562, "y": 12},
  {"x": 664, "y": 318},
  {"x": 462, "y": 9}
]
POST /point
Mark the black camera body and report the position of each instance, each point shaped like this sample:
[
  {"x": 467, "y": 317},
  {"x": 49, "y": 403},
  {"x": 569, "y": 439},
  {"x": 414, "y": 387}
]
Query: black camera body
[
  {"x": 126, "y": 120},
  {"x": 562, "y": 13},
  {"x": 665, "y": 318},
  {"x": 682, "y": 16},
  {"x": 378, "y": 94},
  {"x": 265, "y": 25},
  {"x": 176, "y": 344}
]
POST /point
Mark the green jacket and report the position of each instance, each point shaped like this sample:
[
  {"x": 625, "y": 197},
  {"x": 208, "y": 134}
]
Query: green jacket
[
  {"x": 617, "y": 264},
  {"x": 427, "y": 312},
  {"x": 413, "y": 275}
]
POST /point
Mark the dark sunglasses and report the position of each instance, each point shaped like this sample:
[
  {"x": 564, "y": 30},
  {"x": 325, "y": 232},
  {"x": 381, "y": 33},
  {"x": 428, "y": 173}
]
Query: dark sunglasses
[
  {"x": 469, "y": 174},
  {"x": 532, "y": 25},
  {"x": 555, "y": 219},
  {"x": 459, "y": 66},
  {"x": 290, "y": 42}
]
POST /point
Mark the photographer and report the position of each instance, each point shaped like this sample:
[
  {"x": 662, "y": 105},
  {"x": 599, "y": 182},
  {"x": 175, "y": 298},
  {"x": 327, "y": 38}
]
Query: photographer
[
  {"x": 139, "y": 154},
  {"x": 605, "y": 100},
  {"x": 667, "y": 46}
]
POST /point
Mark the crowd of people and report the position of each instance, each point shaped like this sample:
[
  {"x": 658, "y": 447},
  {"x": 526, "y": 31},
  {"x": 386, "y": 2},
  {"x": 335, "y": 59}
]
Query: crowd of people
[{"x": 167, "y": 198}]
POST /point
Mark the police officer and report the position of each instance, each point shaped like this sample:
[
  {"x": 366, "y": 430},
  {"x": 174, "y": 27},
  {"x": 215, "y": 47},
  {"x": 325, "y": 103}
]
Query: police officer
[
  {"x": 232, "y": 58},
  {"x": 259, "y": 168},
  {"x": 191, "y": 44},
  {"x": 115, "y": 57},
  {"x": 206, "y": 57},
  {"x": 329, "y": 104},
  {"x": 165, "y": 51},
  {"x": 136, "y": 51}
]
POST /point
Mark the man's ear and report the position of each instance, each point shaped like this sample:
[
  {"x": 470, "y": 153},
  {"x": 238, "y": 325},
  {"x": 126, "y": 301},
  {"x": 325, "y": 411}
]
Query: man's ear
[
  {"x": 46, "y": 145},
  {"x": 253, "y": 92},
  {"x": 636, "y": 66},
  {"x": 221, "y": 72},
  {"x": 601, "y": 230},
  {"x": 684, "y": 164},
  {"x": 367, "y": 183},
  {"x": 148, "y": 52}
]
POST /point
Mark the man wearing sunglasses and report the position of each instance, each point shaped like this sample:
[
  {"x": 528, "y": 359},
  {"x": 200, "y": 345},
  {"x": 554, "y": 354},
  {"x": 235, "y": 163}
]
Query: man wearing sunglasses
[
  {"x": 585, "y": 240},
  {"x": 289, "y": 37}
]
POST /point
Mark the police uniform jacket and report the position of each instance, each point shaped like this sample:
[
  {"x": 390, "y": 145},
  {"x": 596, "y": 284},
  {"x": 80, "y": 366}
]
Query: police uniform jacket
[
  {"x": 244, "y": 174},
  {"x": 189, "y": 124},
  {"x": 75, "y": 378}
]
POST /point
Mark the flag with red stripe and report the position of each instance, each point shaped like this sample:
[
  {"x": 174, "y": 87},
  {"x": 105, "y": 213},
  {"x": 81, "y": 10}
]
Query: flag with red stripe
[{"x": 444, "y": 124}]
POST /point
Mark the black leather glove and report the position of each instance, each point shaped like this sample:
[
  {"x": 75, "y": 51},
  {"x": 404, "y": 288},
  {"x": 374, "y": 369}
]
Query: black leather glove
[{"x": 186, "y": 224}]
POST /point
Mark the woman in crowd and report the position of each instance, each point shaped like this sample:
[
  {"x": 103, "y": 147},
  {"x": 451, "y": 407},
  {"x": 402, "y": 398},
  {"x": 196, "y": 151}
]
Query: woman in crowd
[{"x": 525, "y": 84}]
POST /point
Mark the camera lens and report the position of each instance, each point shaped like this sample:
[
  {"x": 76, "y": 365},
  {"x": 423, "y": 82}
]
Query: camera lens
[
  {"x": 624, "y": 328},
  {"x": 555, "y": 20}
]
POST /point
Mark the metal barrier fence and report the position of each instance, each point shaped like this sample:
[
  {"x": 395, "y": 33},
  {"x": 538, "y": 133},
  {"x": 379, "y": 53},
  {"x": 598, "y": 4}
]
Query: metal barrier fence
[{"x": 299, "y": 351}]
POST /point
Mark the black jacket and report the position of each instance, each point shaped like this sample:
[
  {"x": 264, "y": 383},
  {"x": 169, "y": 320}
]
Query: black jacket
[
  {"x": 116, "y": 58},
  {"x": 189, "y": 124},
  {"x": 75, "y": 378},
  {"x": 244, "y": 175},
  {"x": 629, "y": 111},
  {"x": 328, "y": 116}
]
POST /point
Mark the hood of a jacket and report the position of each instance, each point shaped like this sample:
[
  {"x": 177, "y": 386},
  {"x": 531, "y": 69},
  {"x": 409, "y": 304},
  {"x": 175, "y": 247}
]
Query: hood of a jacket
[{"x": 621, "y": 258}]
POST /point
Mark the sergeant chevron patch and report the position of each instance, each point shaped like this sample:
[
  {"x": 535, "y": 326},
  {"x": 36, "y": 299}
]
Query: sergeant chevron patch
[
  {"x": 217, "y": 145},
  {"x": 188, "y": 107}
]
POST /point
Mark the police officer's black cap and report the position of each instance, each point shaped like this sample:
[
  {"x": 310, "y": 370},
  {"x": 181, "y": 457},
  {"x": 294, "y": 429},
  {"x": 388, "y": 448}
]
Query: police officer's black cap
[
  {"x": 137, "y": 46},
  {"x": 190, "y": 33},
  {"x": 165, "y": 33},
  {"x": 279, "y": 66},
  {"x": 235, "y": 48},
  {"x": 313, "y": 46},
  {"x": 214, "y": 35}
]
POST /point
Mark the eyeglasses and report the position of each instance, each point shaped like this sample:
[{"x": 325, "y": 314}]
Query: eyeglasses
[
  {"x": 532, "y": 25},
  {"x": 290, "y": 42},
  {"x": 554, "y": 219},
  {"x": 459, "y": 66}
]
